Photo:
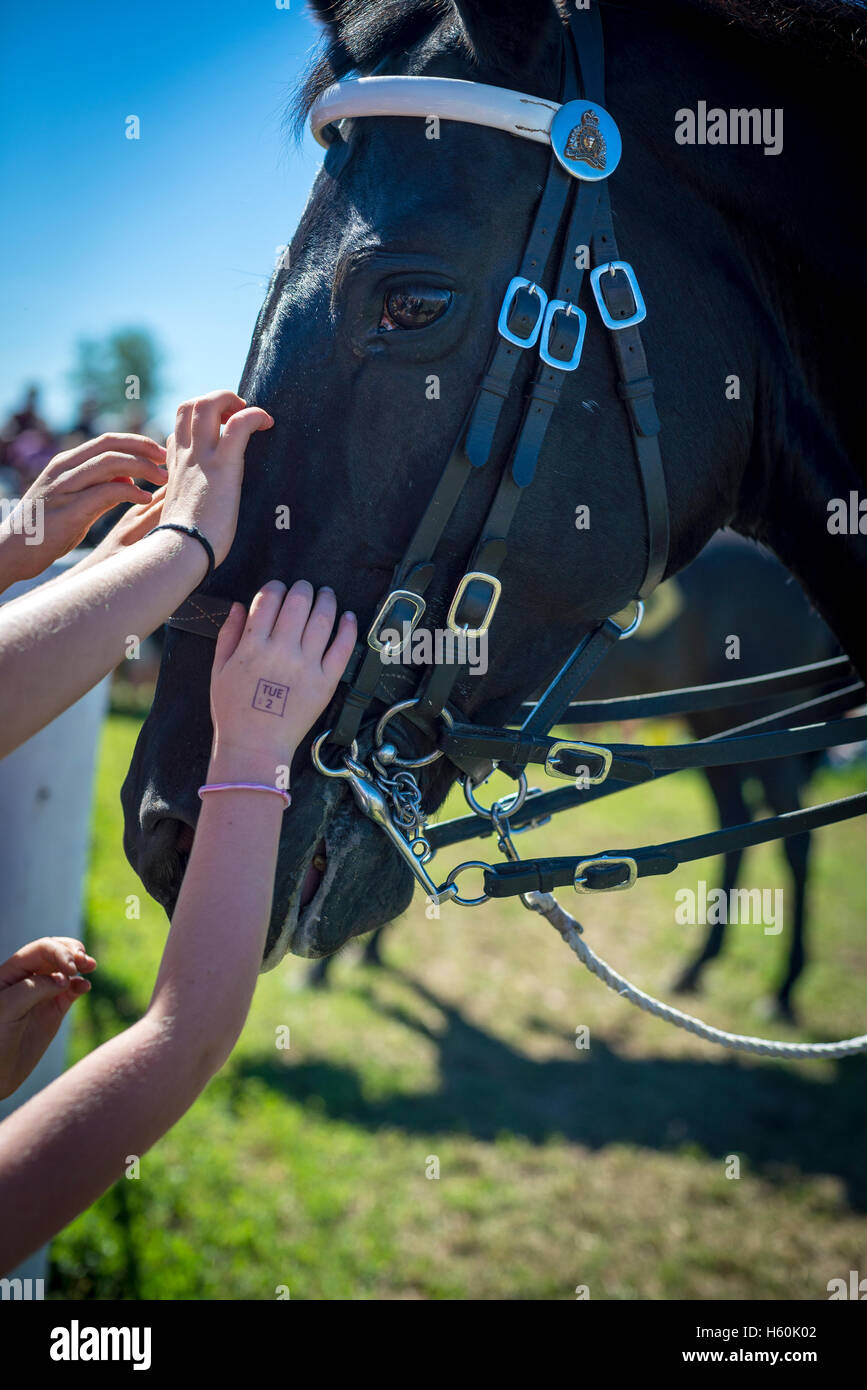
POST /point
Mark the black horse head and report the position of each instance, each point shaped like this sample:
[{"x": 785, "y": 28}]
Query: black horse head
[{"x": 375, "y": 332}]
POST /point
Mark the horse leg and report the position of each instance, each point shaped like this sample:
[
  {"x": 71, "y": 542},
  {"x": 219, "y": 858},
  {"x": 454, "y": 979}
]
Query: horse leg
[
  {"x": 372, "y": 949},
  {"x": 726, "y": 784},
  {"x": 317, "y": 975},
  {"x": 797, "y": 849},
  {"x": 783, "y": 783}
]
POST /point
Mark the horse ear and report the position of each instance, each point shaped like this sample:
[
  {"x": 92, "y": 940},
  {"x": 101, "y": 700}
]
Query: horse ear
[{"x": 508, "y": 34}]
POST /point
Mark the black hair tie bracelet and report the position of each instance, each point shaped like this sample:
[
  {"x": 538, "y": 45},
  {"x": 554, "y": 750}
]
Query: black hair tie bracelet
[{"x": 197, "y": 535}]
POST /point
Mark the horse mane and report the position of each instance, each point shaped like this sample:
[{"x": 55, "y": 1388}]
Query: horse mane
[
  {"x": 360, "y": 35},
  {"x": 833, "y": 30}
]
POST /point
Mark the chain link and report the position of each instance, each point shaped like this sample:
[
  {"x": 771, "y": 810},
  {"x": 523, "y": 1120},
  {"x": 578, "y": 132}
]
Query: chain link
[{"x": 404, "y": 797}]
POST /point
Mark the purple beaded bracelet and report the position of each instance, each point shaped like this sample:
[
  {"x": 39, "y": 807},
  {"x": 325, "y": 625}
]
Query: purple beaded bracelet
[{"x": 246, "y": 787}]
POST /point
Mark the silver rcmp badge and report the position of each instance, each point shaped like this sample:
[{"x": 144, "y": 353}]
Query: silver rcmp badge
[{"x": 586, "y": 140}]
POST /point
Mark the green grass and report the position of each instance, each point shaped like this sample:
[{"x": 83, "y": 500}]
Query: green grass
[{"x": 558, "y": 1167}]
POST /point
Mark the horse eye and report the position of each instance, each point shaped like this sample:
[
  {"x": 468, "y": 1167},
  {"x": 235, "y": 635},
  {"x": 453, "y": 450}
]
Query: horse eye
[{"x": 413, "y": 307}]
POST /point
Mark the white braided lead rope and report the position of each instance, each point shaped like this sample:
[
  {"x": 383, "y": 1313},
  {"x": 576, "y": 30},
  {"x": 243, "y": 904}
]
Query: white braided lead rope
[{"x": 547, "y": 905}]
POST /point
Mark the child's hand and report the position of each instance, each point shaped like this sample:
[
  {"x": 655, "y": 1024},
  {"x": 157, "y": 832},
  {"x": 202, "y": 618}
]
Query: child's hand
[
  {"x": 273, "y": 677},
  {"x": 37, "y": 986},
  {"x": 71, "y": 493},
  {"x": 136, "y": 522},
  {"x": 206, "y": 468}
]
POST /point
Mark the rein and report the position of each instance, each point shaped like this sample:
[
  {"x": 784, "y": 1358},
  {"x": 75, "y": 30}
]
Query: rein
[{"x": 574, "y": 207}]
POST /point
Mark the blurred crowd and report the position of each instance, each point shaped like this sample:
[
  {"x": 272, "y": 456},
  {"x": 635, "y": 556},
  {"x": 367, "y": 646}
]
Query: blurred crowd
[{"x": 28, "y": 442}]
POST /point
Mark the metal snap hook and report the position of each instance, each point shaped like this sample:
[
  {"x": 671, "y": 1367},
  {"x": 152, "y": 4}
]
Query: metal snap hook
[{"x": 350, "y": 757}]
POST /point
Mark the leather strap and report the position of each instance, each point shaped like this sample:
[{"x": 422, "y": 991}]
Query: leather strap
[
  {"x": 636, "y": 385},
  {"x": 635, "y": 389},
  {"x": 587, "y": 36},
  {"x": 635, "y": 762},
  {"x": 539, "y": 807},
  {"x": 695, "y": 699},
  {"x": 544, "y": 394},
  {"x": 506, "y": 357},
  {"x": 505, "y": 880},
  {"x": 552, "y": 705}
]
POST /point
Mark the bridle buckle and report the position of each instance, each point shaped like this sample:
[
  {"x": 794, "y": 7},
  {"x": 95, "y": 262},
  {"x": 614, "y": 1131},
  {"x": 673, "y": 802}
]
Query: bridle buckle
[
  {"x": 570, "y": 363},
  {"x": 587, "y": 750},
  {"x": 604, "y": 861},
  {"x": 469, "y": 578},
  {"x": 640, "y": 308},
  {"x": 375, "y": 642},
  {"x": 517, "y": 283}
]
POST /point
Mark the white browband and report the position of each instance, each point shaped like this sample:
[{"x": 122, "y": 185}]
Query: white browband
[{"x": 447, "y": 97}]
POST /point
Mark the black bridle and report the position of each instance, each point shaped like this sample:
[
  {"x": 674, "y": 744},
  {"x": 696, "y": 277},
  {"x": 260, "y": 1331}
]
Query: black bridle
[{"x": 573, "y": 211}]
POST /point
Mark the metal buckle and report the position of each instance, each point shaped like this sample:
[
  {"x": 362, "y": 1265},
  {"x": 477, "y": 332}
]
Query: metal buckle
[
  {"x": 516, "y": 283},
  {"x": 632, "y": 626},
  {"x": 640, "y": 307},
  {"x": 554, "y": 306},
  {"x": 604, "y": 861},
  {"x": 589, "y": 749},
  {"x": 395, "y": 648},
  {"x": 496, "y": 590}
]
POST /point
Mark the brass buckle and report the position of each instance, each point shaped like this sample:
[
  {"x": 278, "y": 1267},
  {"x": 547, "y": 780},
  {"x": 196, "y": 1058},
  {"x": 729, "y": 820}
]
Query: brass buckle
[
  {"x": 496, "y": 590},
  {"x": 593, "y": 750},
  {"x": 394, "y": 648},
  {"x": 603, "y": 861}
]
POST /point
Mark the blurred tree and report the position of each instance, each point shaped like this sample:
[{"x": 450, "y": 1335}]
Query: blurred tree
[{"x": 120, "y": 373}]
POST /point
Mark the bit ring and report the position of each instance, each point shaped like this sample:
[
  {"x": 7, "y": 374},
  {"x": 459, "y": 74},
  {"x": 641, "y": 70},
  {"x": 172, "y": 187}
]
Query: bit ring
[
  {"x": 504, "y": 808},
  {"x": 450, "y": 882},
  {"x": 409, "y": 762}
]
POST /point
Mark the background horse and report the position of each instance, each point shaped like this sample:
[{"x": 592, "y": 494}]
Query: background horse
[
  {"x": 375, "y": 331},
  {"x": 734, "y": 589}
]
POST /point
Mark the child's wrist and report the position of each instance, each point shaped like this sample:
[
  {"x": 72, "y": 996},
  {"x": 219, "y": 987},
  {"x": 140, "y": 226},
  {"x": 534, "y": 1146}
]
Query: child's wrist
[
  {"x": 230, "y": 764},
  {"x": 184, "y": 550}
]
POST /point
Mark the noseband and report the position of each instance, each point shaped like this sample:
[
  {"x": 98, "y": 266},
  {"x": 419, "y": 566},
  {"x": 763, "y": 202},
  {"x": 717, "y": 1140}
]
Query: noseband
[{"x": 550, "y": 326}]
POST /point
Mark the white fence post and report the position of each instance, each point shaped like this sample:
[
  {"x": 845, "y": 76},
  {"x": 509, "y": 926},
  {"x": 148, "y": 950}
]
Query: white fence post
[{"x": 46, "y": 792}]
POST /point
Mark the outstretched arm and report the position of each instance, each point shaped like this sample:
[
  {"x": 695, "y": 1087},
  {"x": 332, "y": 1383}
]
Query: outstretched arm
[
  {"x": 56, "y": 643},
  {"x": 67, "y": 1144}
]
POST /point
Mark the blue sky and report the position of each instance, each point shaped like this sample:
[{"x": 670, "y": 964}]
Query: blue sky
[{"x": 177, "y": 231}]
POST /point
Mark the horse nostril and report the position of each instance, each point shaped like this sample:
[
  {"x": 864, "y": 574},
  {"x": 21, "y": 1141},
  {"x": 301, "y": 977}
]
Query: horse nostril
[
  {"x": 160, "y": 856},
  {"x": 313, "y": 876},
  {"x": 184, "y": 841}
]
